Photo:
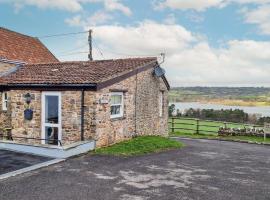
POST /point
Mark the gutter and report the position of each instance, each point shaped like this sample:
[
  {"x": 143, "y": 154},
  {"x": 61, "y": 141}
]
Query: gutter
[{"x": 91, "y": 86}]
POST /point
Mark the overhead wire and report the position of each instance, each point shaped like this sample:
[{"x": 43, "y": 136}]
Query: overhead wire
[
  {"x": 61, "y": 34},
  {"x": 70, "y": 52}
]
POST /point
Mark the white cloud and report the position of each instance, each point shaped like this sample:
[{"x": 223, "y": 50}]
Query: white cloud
[
  {"x": 112, "y": 5},
  {"x": 68, "y": 5},
  {"x": 148, "y": 37},
  {"x": 190, "y": 4},
  {"x": 202, "y": 5},
  {"x": 259, "y": 16},
  {"x": 190, "y": 60},
  {"x": 115, "y": 5},
  {"x": 97, "y": 18},
  {"x": 75, "y": 21}
]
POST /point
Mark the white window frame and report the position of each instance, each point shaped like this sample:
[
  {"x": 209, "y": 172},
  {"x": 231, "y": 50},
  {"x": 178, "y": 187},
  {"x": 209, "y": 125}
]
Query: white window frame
[
  {"x": 121, "y": 114},
  {"x": 161, "y": 103},
  {"x": 4, "y": 101}
]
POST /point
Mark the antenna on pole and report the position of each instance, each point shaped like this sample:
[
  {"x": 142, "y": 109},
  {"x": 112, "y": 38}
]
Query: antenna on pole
[
  {"x": 90, "y": 55},
  {"x": 163, "y": 58}
]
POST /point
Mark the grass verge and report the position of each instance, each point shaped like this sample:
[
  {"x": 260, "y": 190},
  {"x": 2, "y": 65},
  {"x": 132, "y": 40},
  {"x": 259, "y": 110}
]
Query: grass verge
[
  {"x": 234, "y": 138},
  {"x": 139, "y": 146}
]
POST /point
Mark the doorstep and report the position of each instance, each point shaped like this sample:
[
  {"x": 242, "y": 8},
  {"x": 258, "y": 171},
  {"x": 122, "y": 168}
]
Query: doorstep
[{"x": 50, "y": 150}]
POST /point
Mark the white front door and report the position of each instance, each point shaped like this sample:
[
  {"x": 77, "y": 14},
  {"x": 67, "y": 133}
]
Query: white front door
[{"x": 51, "y": 118}]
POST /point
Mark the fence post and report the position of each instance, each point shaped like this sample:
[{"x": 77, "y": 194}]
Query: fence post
[
  {"x": 197, "y": 126},
  {"x": 172, "y": 125}
]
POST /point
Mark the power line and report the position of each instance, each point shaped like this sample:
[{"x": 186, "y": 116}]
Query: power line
[
  {"x": 72, "y": 50},
  {"x": 123, "y": 54},
  {"x": 62, "y": 34},
  {"x": 100, "y": 52},
  {"x": 74, "y": 53}
]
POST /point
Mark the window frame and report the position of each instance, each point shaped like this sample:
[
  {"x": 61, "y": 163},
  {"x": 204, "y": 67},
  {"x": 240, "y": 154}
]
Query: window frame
[
  {"x": 161, "y": 103},
  {"x": 121, "y": 114},
  {"x": 4, "y": 101}
]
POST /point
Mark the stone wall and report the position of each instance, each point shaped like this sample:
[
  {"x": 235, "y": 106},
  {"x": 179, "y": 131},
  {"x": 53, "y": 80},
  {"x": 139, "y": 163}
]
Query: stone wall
[
  {"x": 141, "y": 102},
  {"x": 14, "y": 117},
  {"x": 20, "y": 126},
  {"x": 71, "y": 116},
  {"x": 258, "y": 132}
]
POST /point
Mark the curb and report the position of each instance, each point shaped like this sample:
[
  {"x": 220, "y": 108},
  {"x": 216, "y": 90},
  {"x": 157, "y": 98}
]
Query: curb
[
  {"x": 31, "y": 168},
  {"x": 226, "y": 140}
]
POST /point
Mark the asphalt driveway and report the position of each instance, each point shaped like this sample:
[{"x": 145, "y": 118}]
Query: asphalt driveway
[
  {"x": 11, "y": 161},
  {"x": 209, "y": 170}
]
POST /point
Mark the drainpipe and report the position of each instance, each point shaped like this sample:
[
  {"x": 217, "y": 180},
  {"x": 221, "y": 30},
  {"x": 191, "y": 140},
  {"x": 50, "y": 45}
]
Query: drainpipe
[
  {"x": 82, "y": 115},
  {"x": 135, "y": 114}
]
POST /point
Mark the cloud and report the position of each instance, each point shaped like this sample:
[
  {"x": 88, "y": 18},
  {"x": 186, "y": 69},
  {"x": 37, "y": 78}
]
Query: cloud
[
  {"x": 202, "y": 5},
  {"x": 147, "y": 37},
  {"x": 68, "y": 5},
  {"x": 97, "y": 18},
  {"x": 115, "y": 5},
  {"x": 111, "y": 5},
  {"x": 259, "y": 16},
  {"x": 190, "y": 60}
]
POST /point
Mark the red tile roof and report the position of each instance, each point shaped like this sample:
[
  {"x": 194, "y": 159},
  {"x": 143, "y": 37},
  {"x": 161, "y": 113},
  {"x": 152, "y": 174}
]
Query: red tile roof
[
  {"x": 19, "y": 47},
  {"x": 81, "y": 72}
]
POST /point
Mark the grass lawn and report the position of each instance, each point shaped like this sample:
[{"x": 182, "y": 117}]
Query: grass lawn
[
  {"x": 211, "y": 136},
  {"x": 139, "y": 146}
]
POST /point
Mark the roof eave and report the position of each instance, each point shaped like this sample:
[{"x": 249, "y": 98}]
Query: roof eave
[{"x": 90, "y": 86}]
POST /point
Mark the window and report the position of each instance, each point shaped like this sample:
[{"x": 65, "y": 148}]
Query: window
[
  {"x": 116, "y": 104},
  {"x": 4, "y": 101},
  {"x": 161, "y": 104}
]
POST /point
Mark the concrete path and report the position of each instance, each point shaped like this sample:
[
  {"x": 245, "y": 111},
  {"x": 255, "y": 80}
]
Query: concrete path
[{"x": 208, "y": 170}]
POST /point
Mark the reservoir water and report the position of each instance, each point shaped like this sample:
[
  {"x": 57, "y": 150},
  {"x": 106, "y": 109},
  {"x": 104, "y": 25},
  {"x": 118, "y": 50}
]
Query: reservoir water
[{"x": 262, "y": 110}]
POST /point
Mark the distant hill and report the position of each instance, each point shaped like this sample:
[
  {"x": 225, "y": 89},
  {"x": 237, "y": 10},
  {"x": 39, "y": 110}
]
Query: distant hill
[{"x": 223, "y": 95}]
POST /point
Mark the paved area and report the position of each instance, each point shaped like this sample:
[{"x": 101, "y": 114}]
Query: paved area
[
  {"x": 208, "y": 170},
  {"x": 11, "y": 161}
]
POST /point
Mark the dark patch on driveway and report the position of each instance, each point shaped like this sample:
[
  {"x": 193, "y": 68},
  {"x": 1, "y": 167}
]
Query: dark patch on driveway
[
  {"x": 208, "y": 170},
  {"x": 11, "y": 161}
]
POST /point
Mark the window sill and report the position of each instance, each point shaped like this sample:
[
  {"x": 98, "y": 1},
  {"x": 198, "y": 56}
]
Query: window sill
[{"x": 117, "y": 118}]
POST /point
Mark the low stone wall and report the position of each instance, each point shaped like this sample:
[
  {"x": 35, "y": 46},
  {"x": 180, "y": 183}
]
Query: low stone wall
[{"x": 258, "y": 132}]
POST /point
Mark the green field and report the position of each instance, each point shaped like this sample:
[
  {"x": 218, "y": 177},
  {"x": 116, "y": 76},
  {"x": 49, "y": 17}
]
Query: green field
[{"x": 205, "y": 126}]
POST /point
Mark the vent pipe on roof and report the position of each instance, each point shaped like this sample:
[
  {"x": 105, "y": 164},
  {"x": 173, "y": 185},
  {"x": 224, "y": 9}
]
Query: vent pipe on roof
[{"x": 90, "y": 55}]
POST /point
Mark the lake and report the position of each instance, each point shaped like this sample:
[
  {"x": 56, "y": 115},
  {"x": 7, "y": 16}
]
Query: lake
[{"x": 262, "y": 110}]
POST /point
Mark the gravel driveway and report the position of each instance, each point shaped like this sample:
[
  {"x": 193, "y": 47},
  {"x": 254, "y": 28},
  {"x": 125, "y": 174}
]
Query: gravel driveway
[{"x": 204, "y": 169}]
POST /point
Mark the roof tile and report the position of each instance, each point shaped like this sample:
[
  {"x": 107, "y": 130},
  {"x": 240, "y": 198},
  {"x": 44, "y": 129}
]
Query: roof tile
[
  {"x": 19, "y": 47},
  {"x": 80, "y": 72}
]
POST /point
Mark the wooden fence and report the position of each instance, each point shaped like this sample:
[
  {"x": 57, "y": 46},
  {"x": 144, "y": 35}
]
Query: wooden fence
[{"x": 197, "y": 126}]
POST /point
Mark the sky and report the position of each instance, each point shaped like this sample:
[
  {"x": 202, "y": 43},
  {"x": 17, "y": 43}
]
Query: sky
[{"x": 206, "y": 42}]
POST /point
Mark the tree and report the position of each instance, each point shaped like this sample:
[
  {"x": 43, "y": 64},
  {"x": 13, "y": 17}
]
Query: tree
[{"x": 171, "y": 110}]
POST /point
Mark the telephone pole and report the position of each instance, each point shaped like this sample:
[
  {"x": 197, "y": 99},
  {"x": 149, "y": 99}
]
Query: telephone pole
[{"x": 90, "y": 55}]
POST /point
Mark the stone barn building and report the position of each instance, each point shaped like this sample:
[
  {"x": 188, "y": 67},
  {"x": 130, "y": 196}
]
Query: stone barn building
[{"x": 52, "y": 103}]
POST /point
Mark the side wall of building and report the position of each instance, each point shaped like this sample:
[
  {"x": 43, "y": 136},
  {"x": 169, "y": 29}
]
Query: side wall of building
[{"x": 141, "y": 110}]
